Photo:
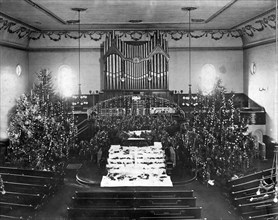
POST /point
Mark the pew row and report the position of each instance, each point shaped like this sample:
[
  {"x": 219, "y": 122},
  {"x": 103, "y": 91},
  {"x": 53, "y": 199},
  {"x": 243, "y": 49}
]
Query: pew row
[
  {"x": 252, "y": 200},
  {"x": 134, "y": 202},
  {"x": 26, "y": 191},
  {"x": 136, "y": 193},
  {"x": 133, "y": 213}
]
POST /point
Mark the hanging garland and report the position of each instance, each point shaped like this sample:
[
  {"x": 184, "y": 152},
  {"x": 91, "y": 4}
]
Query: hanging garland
[{"x": 249, "y": 30}]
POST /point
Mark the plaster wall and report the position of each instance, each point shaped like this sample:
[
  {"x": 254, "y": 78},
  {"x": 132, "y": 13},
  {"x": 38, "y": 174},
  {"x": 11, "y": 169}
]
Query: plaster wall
[
  {"x": 261, "y": 86},
  {"x": 12, "y": 85},
  {"x": 225, "y": 54}
]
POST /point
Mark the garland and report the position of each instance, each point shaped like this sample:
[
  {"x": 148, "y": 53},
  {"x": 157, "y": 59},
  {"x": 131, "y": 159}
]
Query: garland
[{"x": 249, "y": 30}]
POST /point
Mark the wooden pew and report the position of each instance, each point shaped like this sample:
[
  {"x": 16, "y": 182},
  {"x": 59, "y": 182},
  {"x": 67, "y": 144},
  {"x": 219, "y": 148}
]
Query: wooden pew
[
  {"x": 273, "y": 215},
  {"x": 245, "y": 192},
  {"x": 25, "y": 198},
  {"x": 247, "y": 199},
  {"x": 167, "y": 202},
  {"x": 27, "y": 188},
  {"x": 164, "y": 193},
  {"x": 133, "y": 202},
  {"x": 191, "y": 212},
  {"x": 248, "y": 184},
  {"x": 15, "y": 170},
  {"x": 260, "y": 209},
  {"x": 5, "y": 209},
  {"x": 28, "y": 179},
  {"x": 250, "y": 177},
  {"x": 105, "y": 213},
  {"x": 253, "y": 206},
  {"x": 15, "y": 210},
  {"x": 16, "y": 206},
  {"x": 48, "y": 176},
  {"x": 169, "y": 218},
  {"x": 26, "y": 191},
  {"x": 10, "y": 217},
  {"x": 138, "y": 194},
  {"x": 243, "y": 195},
  {"x": 133, "y": 213}
]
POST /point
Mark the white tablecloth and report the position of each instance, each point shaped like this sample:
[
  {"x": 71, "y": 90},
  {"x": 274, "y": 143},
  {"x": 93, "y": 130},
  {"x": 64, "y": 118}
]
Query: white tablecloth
[{"x": 136, "y": 166}]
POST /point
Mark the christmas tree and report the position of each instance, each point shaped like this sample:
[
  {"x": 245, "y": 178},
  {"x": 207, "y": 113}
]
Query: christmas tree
[
  {"x": 222, "y": 147},
  {"x": 41, "y": 129}
]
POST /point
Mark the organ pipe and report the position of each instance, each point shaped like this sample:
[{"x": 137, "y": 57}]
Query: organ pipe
[{"x": 136, "y": 62}]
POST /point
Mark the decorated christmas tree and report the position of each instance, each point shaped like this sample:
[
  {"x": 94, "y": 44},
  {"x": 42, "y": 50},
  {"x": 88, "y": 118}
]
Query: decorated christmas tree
[
  {"x": 41, "y": 130},
  {"x": 222, "y": 147}
]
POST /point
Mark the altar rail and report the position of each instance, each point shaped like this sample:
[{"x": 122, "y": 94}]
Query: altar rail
[{"x": 134, "y": 105}]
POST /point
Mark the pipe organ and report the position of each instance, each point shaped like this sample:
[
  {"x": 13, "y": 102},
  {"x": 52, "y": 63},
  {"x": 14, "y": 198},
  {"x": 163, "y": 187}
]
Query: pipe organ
[{"x": 136, "y": 65}]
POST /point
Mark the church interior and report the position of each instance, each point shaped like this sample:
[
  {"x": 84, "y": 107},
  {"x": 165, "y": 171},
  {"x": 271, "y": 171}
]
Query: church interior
[{"x": 128, "y": 109}]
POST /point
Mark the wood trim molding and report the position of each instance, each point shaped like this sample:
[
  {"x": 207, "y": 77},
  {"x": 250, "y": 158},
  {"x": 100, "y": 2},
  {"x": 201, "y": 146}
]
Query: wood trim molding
[
  {"x": 62, "y": 49},
  {"x": 13, "y": 45},
  {"x": 220, "y": 11},
  {"x": 259, "y": 43},
  {"x": 204, "y": 48},
  {"x": 47, "y": 12},
  {"x": 98, "y": 49}
]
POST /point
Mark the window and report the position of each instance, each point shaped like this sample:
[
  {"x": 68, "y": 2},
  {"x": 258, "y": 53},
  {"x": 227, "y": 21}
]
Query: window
[
  {"x": 65, "y": 81},
  {"x": 18, "y": 69},
  {"x": 208, "y": 79}
]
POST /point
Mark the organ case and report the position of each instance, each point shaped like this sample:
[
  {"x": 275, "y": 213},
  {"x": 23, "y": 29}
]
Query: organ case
[{"x": 136, "y": 65}]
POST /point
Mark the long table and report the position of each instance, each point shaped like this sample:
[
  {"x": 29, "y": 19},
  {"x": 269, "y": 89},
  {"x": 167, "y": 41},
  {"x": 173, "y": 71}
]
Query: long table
[{"x": 136, "y": 166}]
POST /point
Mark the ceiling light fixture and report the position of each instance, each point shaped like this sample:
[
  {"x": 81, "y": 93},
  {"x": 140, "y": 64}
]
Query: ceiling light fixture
[
  {"x": 189, "y": 9},
  {"x": 72, "y": 21},
  {"x": 135, "y": 21},
  {"x": 79, "y": 37},
  {"x": 197, "y": 20},
  {"x": 276, "y": 73}
]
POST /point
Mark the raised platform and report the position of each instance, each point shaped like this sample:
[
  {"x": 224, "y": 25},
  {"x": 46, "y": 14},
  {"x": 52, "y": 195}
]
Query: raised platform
[{"x": 89, "y": 174}]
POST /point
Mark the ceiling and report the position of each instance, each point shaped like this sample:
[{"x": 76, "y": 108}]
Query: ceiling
[{"x": 55, "y": 15}]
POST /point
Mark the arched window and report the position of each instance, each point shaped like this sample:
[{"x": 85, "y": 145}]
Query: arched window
[
  {"x": 65, "y": 80},
  {"x": 208, "y": 79}
]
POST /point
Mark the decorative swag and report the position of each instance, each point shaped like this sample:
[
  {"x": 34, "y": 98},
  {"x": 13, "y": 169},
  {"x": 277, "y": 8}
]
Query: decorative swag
[{"x": 249, "y": 30}]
